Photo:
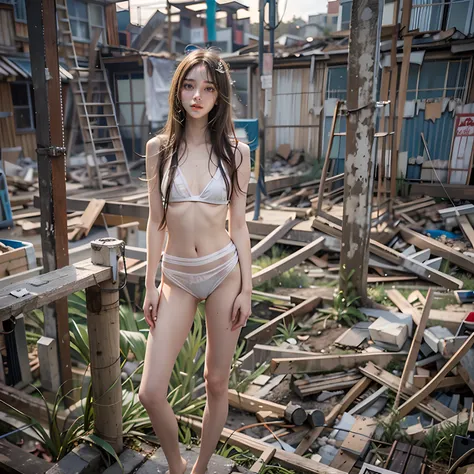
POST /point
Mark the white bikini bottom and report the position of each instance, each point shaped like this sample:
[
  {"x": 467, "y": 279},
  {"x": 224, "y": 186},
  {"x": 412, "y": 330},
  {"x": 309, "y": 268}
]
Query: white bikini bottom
[{"x": 201, "y": 275}]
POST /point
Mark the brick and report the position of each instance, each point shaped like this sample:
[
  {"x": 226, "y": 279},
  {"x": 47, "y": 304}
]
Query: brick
[{"x": 130, "y": 460}]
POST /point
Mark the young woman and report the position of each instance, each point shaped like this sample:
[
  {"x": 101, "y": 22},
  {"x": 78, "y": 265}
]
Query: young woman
[{"x": 198, "y": 174}]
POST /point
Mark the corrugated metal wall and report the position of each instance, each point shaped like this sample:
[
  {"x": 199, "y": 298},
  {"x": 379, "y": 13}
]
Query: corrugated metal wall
[
  {"x": 295, "y": 109},
  {"x": 438, "y": 137}
]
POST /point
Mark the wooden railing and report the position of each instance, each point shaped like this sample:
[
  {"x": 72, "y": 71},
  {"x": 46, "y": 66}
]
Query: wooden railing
[{"x": 103, "y": 325}]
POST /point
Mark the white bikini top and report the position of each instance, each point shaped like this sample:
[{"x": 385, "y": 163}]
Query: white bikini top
[{"x": 214, "y": 193}]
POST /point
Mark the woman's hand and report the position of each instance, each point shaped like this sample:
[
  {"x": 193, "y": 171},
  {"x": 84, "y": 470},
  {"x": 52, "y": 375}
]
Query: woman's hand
[
  {"x": 241, "y": 310},
  {"x": 150, "y": 305}
]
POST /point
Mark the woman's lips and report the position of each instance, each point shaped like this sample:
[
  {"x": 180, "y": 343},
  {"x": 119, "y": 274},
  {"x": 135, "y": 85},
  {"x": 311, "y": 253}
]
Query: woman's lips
[{"x": 196, "y": 107}]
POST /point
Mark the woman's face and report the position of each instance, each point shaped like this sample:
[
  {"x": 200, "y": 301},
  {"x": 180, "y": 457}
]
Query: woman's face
[{"x": 198, "y": 93}]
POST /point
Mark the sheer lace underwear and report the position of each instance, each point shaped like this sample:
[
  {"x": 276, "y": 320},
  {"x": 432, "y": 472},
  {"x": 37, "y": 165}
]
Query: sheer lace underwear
[{"x": 201, "y": 275}]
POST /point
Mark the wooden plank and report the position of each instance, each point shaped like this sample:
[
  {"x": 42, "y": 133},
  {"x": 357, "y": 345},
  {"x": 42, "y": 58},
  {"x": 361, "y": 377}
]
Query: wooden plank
[
  {"x": 354, "y": 444},
  {"x": 400, "y": 457},
  {"x": 393, "y": 256},
  {"x": 263, "y": 460},
  {"x": 265, "y": 332},
  {"x": 437, "y": 248},
  {"x": 329, "y": 363},
  {"x": 416, "y": 460},
  {"x": 267, "y": 242},
  {"x": 288, "y": 262},
  {"x": 403, "y": 305},
  {"x": 455, "y": 191},
  {"x": 15, "y": 460},
  {"x": 361, "y": 386},
  {"x": 430, "y": 406},
  {"x": 419, "y": 381},
  {"x": 415, "y": 345},
  {"x": 50, "y": 287},
  {"x": 408, "y": 406},
  {"x": 466, "y": 228},
  {"x": 417, "y": 432},
  {"x": 253, "y": 404},
  {"x": 255, "y": 446}
]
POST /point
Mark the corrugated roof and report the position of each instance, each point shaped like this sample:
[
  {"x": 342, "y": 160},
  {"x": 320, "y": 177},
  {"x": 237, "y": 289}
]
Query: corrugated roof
[{"x": 21, "y": 68}]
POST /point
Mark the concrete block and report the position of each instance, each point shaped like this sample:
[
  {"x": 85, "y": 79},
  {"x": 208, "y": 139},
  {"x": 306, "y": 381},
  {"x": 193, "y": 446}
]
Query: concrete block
[
  {"x": 69, "y": 464},
  {"x": 387, "y": 332},
  {"x": 434, "y": 335},
  {"x": 90, "y": 454},
  {"x": 392, "y": 316},
  {"x": 130, "y": 460}
]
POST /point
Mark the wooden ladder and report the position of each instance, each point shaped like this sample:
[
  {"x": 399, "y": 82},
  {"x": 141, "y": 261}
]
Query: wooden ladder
[{"x": 95, "y": 108}]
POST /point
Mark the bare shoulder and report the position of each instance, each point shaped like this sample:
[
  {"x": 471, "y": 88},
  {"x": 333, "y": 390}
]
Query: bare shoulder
[{"x": 153, "y": 146}]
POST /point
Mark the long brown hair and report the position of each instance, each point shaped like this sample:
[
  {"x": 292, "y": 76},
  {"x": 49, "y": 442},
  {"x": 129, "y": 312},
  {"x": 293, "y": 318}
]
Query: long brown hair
[{"x": 220, "y": 126}]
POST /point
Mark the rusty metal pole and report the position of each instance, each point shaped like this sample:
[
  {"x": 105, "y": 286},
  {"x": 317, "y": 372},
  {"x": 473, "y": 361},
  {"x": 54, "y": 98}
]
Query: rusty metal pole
[
  {"x": 364, "y": 46},
  {"x": 44, "y": 57}
]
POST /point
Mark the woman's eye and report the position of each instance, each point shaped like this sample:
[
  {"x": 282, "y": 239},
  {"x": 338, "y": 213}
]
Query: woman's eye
[
  {"x": 210, "y": 89},
  {"x": 188, "y": 86}
]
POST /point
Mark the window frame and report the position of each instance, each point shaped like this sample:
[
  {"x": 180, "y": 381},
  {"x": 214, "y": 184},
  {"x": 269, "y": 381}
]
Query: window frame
[
  {"x": 445, "y": 88},
  {"x": 335, "y": 93},
  {"x": 90, "y": 25},
  {"x": 20, "y": 4},
  {"x": 29, "y": 94}
]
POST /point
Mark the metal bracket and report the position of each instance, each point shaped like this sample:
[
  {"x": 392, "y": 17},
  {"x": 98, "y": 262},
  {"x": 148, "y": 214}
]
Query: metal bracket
[{"x": 53, "y": 151}]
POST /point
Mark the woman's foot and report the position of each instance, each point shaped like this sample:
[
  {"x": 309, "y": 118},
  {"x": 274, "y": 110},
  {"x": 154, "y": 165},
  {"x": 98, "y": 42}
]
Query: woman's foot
[{"x": 184, "y": 465}]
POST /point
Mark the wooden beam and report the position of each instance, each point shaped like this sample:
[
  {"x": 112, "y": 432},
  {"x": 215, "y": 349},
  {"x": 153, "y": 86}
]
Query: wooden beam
[
  {"x": 327, "y": 160},
  {"x": 288, "y": 262},
  {"x": 359, "y": 164},
  {"x": 403, "y": 305},
  {"x": 415, "y": 346},
  {"x": 395, "y": 257},
  {"x": 430, "y": 406},
  {"x": 408, "y": 406},
  {"x": 44, "y": 56},
  {"x": 406, "y": 16},
  {"x": 437, "y": 248},
  {"x": 254, "y": 405},
  {"x": 331, "y": 362},
  {"x": 255, "y": 446},
  {"x": 50, "y": 287},
  {"x": 402, "y": 95},
  {"x": 466, "y": 228},
  {"x": 267, "y": 331},
  {"x": 263, "y": 460},
  {"x": 358, "y": 389},
  {"x": 267, "y": 242}
]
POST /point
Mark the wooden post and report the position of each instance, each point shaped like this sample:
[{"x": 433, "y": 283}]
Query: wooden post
[
  {"x": 359, "y": 165},
  {"x": 170, "y": 31},
  {"x": 42, "y": 32},
  {"x": 103, "y": 325}
]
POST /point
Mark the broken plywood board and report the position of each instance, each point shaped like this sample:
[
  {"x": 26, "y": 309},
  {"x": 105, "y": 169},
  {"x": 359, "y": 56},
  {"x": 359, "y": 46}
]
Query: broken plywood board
[
  {"x": 354, "y": 444},
  {"x": 355, "y": 335}
]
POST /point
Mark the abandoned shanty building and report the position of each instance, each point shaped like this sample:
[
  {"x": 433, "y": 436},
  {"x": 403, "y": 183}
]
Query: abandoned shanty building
[{"x": 358, "y": 356}]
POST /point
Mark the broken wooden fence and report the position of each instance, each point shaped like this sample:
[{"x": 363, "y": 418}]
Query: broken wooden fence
[{"x": 102, "y": 295}]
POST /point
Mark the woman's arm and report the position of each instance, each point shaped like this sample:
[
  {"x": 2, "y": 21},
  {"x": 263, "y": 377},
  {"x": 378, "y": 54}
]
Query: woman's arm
[
  {"x": 154, "y": 237},
  {"x": 239, "y": 234}
]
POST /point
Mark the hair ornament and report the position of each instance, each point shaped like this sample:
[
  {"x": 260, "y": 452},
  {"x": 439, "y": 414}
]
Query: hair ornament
[{"x": 220, "y": 67}]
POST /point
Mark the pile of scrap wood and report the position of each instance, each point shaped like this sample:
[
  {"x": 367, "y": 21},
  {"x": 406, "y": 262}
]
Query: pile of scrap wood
[{"x": 373, "y": 408}]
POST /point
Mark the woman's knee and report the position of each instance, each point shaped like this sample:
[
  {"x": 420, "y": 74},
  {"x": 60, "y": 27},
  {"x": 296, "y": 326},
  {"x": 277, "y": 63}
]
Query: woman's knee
[
  {"x": 150, "y": 397},
  {"x": 216, "y": 384}
]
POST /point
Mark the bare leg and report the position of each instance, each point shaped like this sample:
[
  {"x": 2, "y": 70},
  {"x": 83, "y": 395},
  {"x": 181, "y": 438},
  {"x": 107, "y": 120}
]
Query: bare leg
[
  {"x": 221, "y": 342},
  {"x": 175, "y": 316}
]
